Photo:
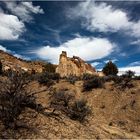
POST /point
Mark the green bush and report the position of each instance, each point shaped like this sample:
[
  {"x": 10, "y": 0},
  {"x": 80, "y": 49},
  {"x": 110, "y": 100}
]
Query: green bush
[
  {"x": 110, "y": 69},
  {"x": 95, "y": 82}
]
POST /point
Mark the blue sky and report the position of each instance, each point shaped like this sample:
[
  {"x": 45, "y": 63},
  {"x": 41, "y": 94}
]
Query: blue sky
[{"x": 95, "y": 31}]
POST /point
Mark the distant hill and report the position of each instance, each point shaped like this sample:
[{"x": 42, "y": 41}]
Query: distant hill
[{"x": 11, "y": 62}]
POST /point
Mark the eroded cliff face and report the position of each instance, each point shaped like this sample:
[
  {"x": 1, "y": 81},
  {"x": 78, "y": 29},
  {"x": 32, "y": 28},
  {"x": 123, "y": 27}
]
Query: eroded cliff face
[{"x": 73, "y": 66}]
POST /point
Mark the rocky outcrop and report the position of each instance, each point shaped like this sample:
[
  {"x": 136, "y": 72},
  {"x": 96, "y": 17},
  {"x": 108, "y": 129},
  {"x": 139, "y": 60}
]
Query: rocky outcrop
[
  {"x": 16, "y": 64},
  {"x": 73, "y": 66}
]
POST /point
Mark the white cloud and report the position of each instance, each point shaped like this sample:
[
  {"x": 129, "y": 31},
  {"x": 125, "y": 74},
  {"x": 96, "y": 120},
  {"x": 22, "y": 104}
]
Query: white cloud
[
  {"x": 10, "y": 27},
  {"x": 136, "y": 69},
  {"x": 84, "y": 47},
  {"x": 123, "y": 54},
  {"x": 137, "y": 42},
  {"x": 94, "y": 64},
  {"x": 137, "y": 63},
  {"x": 101, "y": 16},
  {"x": 24, "y": 10},
  {"x": 3, "y": 48},
  {"x": 105, "y": 18},
  {"x": 113, "y": 60},
  {"x": 135, "y": 29},
  {"x": 22, "y": 57},
  {"x": 134, "y": 66}
]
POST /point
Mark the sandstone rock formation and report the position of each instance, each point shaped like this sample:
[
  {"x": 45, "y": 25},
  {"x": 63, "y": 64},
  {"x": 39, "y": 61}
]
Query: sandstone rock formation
[{"x": 73, "y": 66}]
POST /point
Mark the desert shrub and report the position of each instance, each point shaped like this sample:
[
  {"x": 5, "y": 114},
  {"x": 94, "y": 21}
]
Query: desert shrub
[
  {"x": 48, "y": 78},
  {"x": 137, "y": 77},
  {"x": 72, "y": 79},
  {"x": 102, "y": 106},
  {"x": 79, "y": 110},
  {"x": 52, "y": 76},
  {"x": 124, "y": 83},
  {"x": 0, "y": 67},
  {"x": 120, "y": 81},
  {"x": 110, "y": 124},
  {"x": 7, "y": 72},
  {"x": 87, "y": 76},
  {"x": 65, "y": 102},
  {"x": 117, "y": 79},
  {"x": 110, "y": 69},
  {"x": 95, "y": 82},
  {"x": 45, "y": 81},
  {"x": 25, "y": 74},
  {"x": 33, "y": 72},
  {"x": 107, "y": 78},
  {"x": 132, "y": 103},
  {"x": 60, "y": 100},
  {"x": 110, "y": 78},
  {"x": 34, "y": 76},
  {"x": 49, "y": 68},
  {"x": 128, "y": 74},
  {"x": 14, "y": 98},
  {"x": 121, "y": 123},
  {"x": 55, "y": 76}
]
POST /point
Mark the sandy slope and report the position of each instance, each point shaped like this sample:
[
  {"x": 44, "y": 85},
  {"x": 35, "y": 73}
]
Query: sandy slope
[{"x": 115, "y": 114}]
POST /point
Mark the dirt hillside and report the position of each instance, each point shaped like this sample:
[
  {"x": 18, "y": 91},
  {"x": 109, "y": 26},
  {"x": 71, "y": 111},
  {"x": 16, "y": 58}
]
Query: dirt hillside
[
  {"x": 115, "y": 114},
  {"x": 12, "y": 62}
]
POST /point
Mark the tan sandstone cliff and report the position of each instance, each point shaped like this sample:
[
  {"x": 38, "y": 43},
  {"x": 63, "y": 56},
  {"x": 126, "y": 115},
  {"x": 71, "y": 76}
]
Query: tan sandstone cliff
[{"x": 73, "y": 66}]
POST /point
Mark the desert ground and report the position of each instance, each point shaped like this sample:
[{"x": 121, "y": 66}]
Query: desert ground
[{"x": 115, "y": 113}]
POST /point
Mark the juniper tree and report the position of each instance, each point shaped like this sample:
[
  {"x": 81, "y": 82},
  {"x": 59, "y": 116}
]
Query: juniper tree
[{"x": 110, "y": 69}]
